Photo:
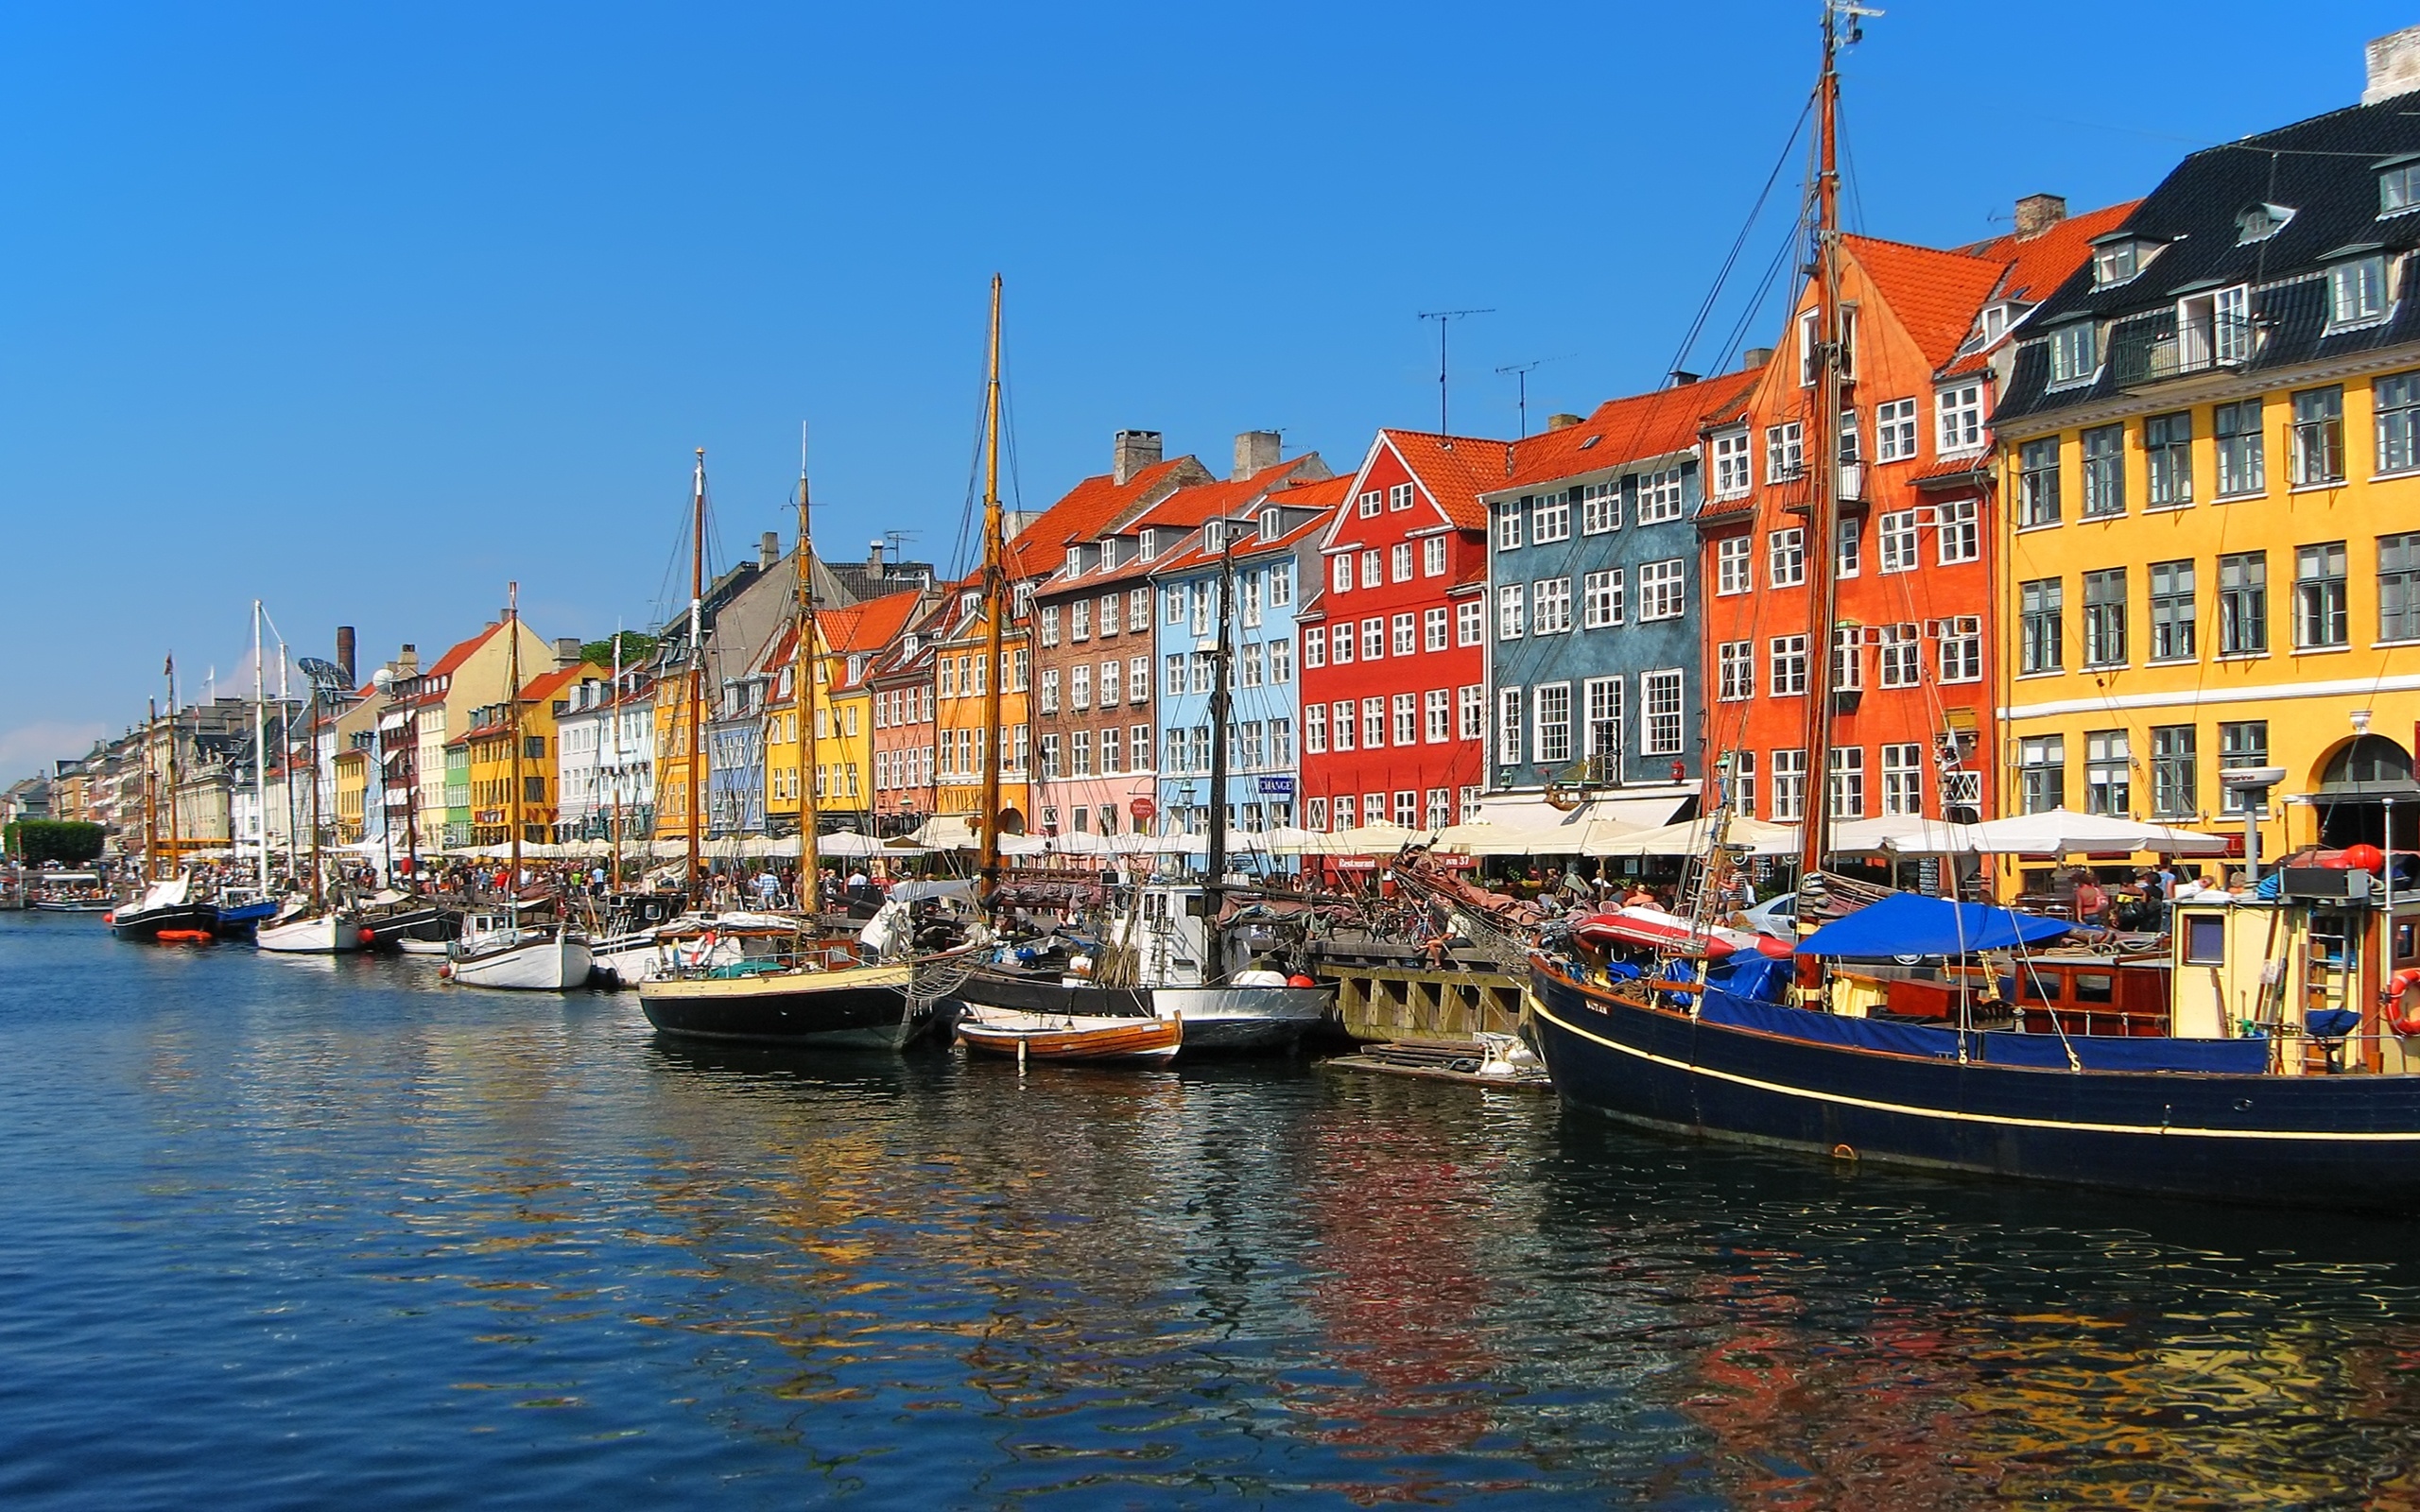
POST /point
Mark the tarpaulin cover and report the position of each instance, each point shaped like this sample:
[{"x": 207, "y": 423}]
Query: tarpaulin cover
[
  {"x": 1908, "y": 923},
  {"x": 1996, "y": 1047}
]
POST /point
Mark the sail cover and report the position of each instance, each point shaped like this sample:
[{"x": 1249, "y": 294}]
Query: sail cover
[{"x": 1908, "y": 923}]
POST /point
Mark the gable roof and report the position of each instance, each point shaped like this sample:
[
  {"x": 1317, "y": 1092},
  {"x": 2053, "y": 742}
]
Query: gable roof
[
  {"x": 543, "y": 688},
  {"x": 2037, "y": 264},
  {"x": 1933, "y": 294},
  {"x": 1086, "y": 509},
  {"x": 1626, "y": 430},
  {"x": 452, "y": 661},
  {"x": 1454, "y": 470}
]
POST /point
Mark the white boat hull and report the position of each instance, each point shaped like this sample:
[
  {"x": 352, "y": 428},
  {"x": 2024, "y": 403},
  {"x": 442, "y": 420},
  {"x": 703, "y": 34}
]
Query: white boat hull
[
  {"x": 325, "y": 935},
  {"x": 546, "y": 965},
  {"x": 1244, "y": 1018}
]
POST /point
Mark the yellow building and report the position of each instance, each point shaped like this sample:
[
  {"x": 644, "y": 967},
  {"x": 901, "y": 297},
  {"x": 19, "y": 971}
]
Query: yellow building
[
  {"x": 488, "y": 742},
  {"x": 850, "y": 639},
  {"x": 2209, "y": 466}
]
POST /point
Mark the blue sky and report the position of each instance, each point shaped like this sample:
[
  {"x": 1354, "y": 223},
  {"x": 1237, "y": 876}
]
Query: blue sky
[{"x": 366, "y": 309}]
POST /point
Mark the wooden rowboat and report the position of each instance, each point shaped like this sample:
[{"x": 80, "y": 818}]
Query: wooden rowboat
[{"x": 1064, "y": 1037}]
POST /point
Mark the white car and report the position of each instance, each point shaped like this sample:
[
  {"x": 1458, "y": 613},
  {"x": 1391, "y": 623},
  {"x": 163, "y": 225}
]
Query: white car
[{"x": 1776, "y": 915}]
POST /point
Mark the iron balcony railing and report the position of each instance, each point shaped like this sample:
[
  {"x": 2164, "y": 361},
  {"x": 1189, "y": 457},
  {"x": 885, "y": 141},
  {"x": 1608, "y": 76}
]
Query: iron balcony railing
[{"x": 2157, "y": 346}]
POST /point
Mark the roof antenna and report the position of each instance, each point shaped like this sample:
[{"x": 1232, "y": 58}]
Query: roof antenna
[
  {"x": 1443, "y": 319},
  {"x": 1519, "y": 373}
]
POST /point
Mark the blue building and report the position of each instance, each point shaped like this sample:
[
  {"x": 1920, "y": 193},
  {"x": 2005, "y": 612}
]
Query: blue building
[
  {"x": 1595, "y": 639},
  {"x": 1264, "y": 760}
]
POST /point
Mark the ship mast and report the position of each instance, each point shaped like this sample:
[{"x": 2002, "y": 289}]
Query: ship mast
[
  {"x": 1221, "y": 709},
  {"x": 614, "y": 718},
  {"x": 512, "y": 731},
  {"x": 995, "y": 613},
  {"x": 804, "y": 663},
  {"x": 696, "y": 734},
  {"x": 150, "y": 800},
  {"x": 176, "y": 850},
  {"x": 260, "y": 747}
]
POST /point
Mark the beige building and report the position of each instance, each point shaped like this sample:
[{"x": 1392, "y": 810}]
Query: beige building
[{"x": 472, "y": 675}]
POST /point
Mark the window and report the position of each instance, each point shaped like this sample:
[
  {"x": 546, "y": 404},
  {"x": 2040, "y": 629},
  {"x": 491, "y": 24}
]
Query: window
[
  {"x": 1470, "y": 621},
  {"x": 2240, "y": 467},
  {"x": 2075, "y": 354},
  {"x": 1551, "y": 519},
  {"x": 1659, "y": 496},
  {"x": 1315, "y": 729},
  {"x": 2172, "y": 611},
  {"x": 2174, "y": 793},
  {"x": 2114, "y": 263},
  {"x": 1736, "y": 671},
  {"x": 2038, "y": 483},
  {"x": 2320, "y": 617},
  {"x": 1080, "y": 687},
  {"x": 1440, "y": 811},
  {"x": 2108, "y": 772},
  {"x": 1661, "y": 596},
  {"x": 1248, "y": 587},
  {"x": 1315, "y": 648},
  {"x": 1049, "y": 690},
  {"x": 2039, "y": 611},
  {"x": 2243, "y": 604},
  {"x": 1787, "y": 660},
  {"x": 2168, "y": 448},
  {"x": 1109, "y": 692},
  {"x": 1901, "y": 659},
  {"x": 1470, "y": 708},
  {"x": 1601, "y": 508},
  {"x": 1962, "y": 649},
  {"x": 1848, "y": 657},
  {"x": 1341, "y": 644},
  {"x": 1511, "y": 616},
  {"x": 1407, "y": 808},
  {"x": 1959, "y": 535},
  {"x": 1903, "y": 779},
  {"x": 2241, "y": 744},
  {"x": 1554, "y": 722},
  {"x": 1205, "y": 613},
  {"x": 1369, "y": 578},
  {"x": 1079, "y": 619},
  {"x": 1807, "y": 339},
  {"x": 1508, "y": 524},
  {"x": 1138, "y": 743},
  {"x": 1339, "y": 575},
  {"x": 1437, "y": 716},
  {"x": 2397, "y": 409},
  {"x": 1404, "y": 635},
  {"x": 1340, "y": 730},
  {"x": 1895, "y": 536},
  {"x": 1344, "y": 811},
  {"x": 1844, "y": 784},
  {"x": 2400, "y": 588},
  {"x": 1660, "y": 699},
  {"x": 2319, "y": 436},
  {"x": 1960, "y": 411},
  {"x": 1785, "y": 558},
  {"x": 1373, "y": 723},
  {"x": 2104, "y": 617},
  {"x": 1399, "y": 562},
  {"x": 1110, "y": 604},
  {"x": 1602, "y": 598},
  {"x": 2041, "y": 773},
  {"x": 1509, "y": 748},
  {"x": 1251, "y": 669},
  {"x": 1198, "y": 672},
  {"x": 1601, "y": 735},
  {"x": 1367, "y": 504},
  {"x": 1138, "y": 677},
  {"x": 1373, "y": 639},
  {"x": 1850, "y": 559},
  {"x": 1049, "y": 625},
  {"x": 1732, "y": 574},
  {"x": 2356, "y": 291},
  {"x": 1399, "y": 496},
  {"x": 1550, "y": 605},
  {"x": 1790, "y": 786},
  {"x": 1432, "y": 628},
  {"x": 1743, "y": 782},
  {"x": 1432, "y": 556},
  {"x": 1049, "y": 756},
  {"x": 1281, "y": 585},
  {"x": 1784, "y": 450},
  {"x": 1113, "y": 750},
  {"x": 1895, "y": 430},
  {"x": 1731, "y": 476},
  {"x": 2104, "y": 470},
  {"x": 2399, "y": 189}
]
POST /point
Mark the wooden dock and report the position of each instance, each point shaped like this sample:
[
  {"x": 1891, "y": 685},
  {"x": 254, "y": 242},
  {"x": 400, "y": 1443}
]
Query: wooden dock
[{"x": 1400, "y": 994}]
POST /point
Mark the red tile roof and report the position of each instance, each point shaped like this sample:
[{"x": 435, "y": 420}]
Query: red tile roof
[
  {"x": 1192, "y": 505},
  {"x": 543, "y": 688},
  {"x": 1933, "y": 294},
  {"x": 1085, "y": 511},
  {"x": 1455, "y": 469},
  {"x": 2040, "y": 262},
  {"x": 1624, "y": 430},
  {"x": 1197, "y": 555},
  {"x": 452, "y": 661}
]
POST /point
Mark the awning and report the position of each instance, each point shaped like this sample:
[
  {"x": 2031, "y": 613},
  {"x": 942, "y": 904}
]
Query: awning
[
  {"x": 2064, "y": 832},
  {"x": 1908, "y": 923},
  {"x": 1693, "y": 837}
]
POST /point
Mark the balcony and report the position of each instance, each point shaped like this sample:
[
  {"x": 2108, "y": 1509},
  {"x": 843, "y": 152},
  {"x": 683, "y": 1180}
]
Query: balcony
[{"x": 2162, "y": 345}]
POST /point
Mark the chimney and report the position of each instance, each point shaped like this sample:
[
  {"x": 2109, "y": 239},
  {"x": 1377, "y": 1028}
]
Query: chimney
[
  {"x": 566, "y": 652},
  {"x": 344, "y": 653},
  {"x": 1132, "y": 451},
  {"x": 1256, "y": 450},
  {"x": 1755, "y": 357},
  {"x": 873, "y": 560},
  {"x": 1559, "y": 422},
  {"x": 408, "y": 661},
  {"x": 2395, "y": 65},
  {"x": 2036, "y": 213},
  {"x": 769, "y": 550}
]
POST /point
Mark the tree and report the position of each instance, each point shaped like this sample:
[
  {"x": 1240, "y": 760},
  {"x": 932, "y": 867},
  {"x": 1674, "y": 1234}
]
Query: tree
[
  {"x": 637, "y": 646},
  {"x": 69, "y": 842}
]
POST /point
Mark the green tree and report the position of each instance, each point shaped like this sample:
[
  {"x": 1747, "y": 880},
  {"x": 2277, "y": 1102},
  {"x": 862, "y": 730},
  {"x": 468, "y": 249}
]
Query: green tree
[
  {"x": 69, "y": 842},
  {"x": 637, "y": 646}
]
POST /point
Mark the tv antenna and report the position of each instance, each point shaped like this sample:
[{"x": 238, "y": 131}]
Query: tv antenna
[
  {"x": 1445, "y": 319},
  {"x": 1519, "y": 373}
]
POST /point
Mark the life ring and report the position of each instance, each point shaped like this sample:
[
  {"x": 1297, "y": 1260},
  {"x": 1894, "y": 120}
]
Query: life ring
[{"x": 2397, "y": 988}]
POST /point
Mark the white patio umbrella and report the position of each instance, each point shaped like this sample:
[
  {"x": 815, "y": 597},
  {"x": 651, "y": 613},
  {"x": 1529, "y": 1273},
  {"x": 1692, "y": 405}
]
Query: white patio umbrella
[
  {"x": 1693, "y": 837},
  {"x": 947, "y": 832},
  {"x": 1906, "y": 835},
  {"x": 846, "y": 843},
  {"x": 1290, "y": 840},
  {"x": 1081, "y": 843},
  {"x": 1368, "y": 840},
  {"x": 2064, "y": 832}
]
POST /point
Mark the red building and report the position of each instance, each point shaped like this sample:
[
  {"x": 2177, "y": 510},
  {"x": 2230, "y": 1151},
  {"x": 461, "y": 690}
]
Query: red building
[
  {"x": 1393, "y": 650},
  {"x": 1911, "y": 640}
]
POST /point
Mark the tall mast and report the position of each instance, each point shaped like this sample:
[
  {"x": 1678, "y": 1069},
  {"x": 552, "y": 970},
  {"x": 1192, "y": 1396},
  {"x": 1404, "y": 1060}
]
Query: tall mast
[
  {"x": 1822, "y": 511},
  {"x": 513, "y": 723},
  {"x": 1221, "y": 709},
  {"x": 613, "y": 720},
  {"x": 691, "y": 759},
  {"x": 260, "y": 747},
  {"x": 995, "y": 613},
  {"x": 804, "y": 663},
  {"x": 311, "y": 735},
  {"x": 150, "y": 798},
  {"x": 176, "y": 850}
]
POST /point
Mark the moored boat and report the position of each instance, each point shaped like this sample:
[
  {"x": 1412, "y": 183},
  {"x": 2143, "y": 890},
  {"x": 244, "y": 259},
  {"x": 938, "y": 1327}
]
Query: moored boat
[
  {"x": 1071, "y": 1037},
  {"x": 496, "y": 950},
  {"x": 167, "y": 906},
  {"x": 305, "y": 933}
]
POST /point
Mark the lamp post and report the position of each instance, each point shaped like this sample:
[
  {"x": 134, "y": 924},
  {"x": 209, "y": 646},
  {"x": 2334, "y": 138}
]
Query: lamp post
[{"x": 2253, "y": 782}]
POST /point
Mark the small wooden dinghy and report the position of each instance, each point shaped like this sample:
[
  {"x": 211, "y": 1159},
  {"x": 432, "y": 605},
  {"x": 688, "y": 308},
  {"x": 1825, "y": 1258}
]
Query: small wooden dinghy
[{"x": 1066, "y": 1037}]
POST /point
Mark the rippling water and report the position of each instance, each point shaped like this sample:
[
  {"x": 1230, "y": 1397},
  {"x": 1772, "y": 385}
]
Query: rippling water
[{"x": 284, "y": 1232}]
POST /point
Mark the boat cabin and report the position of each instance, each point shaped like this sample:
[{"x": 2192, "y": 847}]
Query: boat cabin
[{"x": 2310, "y": 964}]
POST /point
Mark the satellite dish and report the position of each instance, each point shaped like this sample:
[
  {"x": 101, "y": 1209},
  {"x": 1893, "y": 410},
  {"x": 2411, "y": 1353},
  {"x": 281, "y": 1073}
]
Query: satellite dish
[{"x": 382, "y": 680}]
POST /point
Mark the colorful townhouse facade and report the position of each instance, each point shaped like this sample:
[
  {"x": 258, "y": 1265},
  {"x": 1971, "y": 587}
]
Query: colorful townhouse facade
[
  {"x": 854, "y": 641},
  {"x": 1595, "y": 602},
  {"x": 473, "y": 674},
  {"x": 1266, "y": 545},
  {"x": 1393, "y": 652},
  {"x": 900, "y": 685},
  {"x": 2211, "y": 446}
]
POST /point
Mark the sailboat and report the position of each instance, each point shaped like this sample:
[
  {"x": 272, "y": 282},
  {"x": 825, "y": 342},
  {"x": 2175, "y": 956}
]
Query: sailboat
[
  {"x": 2025, "y": 1066},
  {"x": 311, "y": 928},
  {"x": 504, "y": 948},
  {"x": 760, "y": 978},
  {"x": 171, "y": 909}
]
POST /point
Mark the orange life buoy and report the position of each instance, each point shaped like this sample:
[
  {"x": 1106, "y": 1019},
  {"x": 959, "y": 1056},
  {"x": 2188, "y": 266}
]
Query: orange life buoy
[{"x": 2399, "y": 987}]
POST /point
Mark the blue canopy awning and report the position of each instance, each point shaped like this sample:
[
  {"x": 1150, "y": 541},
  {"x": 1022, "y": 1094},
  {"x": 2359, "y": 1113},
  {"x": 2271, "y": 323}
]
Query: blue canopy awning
[{"x": 1908, "y": 923}]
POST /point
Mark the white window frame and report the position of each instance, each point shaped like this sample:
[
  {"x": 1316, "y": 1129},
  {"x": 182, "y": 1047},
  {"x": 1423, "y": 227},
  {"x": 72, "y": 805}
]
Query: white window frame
[
  {"x": 1785, "y": 558},
  {"x": 1663, "y": 590},
  {"x": 1732, "y": 570},
  {"x": 1512, "y": 610},
  {"x": 1895, "y": 430},
  {"x": 1603, "y": 598},
  {"x": 1550, "y": 723},
  {"x": 1734, "y": 468},
  {"x": 1958, "y": 415},
  {"x": 1510, "y": 747},
  {"x": 1662, "y": 712}
]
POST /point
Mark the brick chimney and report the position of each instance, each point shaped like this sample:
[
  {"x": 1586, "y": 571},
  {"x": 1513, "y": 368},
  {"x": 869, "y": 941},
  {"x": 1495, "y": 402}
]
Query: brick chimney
[
  {"x": 1256, "y": 450},
  {"x": 873, "y": 561},
  {"x": 769, "y": 549},
  {"x": 1561, "y": 422},
  {"x": 344, "y": 653},
  {"x": 566, "y": 652},
  {"x": 2036, "y": 213},
  {"x": 1132, "y": 451},
  {"x": 1755, "y": 357},
  {"x": 2393, "y": 65},
  {"x": 408, "y": 661}
]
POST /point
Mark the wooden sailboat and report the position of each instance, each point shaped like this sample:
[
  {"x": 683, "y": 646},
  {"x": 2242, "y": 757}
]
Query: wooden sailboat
[
  {"x": 170, "y": 908},
  {"x": 502, "y": 950}
]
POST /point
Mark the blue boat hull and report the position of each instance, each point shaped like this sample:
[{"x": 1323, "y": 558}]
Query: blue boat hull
[{"x": 2344, "y": 1142}]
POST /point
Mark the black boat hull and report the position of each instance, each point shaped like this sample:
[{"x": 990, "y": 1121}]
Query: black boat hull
[
  {"x": 867, "y": 1009},
  {"x": 147, "y": 923},
  {"x": 2345, "y": 1142}
]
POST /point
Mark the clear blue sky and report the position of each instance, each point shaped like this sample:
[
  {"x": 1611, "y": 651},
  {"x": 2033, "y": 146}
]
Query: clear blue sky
[{"x": 365, "y": 309}]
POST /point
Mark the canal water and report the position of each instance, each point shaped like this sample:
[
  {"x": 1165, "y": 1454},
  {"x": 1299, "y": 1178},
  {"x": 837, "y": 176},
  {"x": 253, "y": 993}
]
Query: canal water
[{"x": 279, "y": 1233}]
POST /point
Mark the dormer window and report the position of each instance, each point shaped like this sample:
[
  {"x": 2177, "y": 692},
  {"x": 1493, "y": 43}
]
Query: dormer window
[
  {"x": 966, "y": 603},
  {"x": 907, "y": 647},
  {"x": 1214, "y": 536},
  {"x": 2075, "y": 352},
  {"x": 1108, "y": 554},
  {"x": 1150, "y": 541},
  {"x": 2399, "y": 187},
  {"x": 1075, "y": 561},
  {"x": 2118, "y": 261},
  {"x": 856, "y": 667},
  {"x": 2357, "y": 290},
  {"x": 1270, "y": 527},
  {"x": 1999, "y": 317},
  {"x": 2260, "y": 222}
]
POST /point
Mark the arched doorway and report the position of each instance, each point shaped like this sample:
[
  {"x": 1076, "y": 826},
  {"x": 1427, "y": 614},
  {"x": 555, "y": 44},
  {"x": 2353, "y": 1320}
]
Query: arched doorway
[{"x": 2354, "y": 784}]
